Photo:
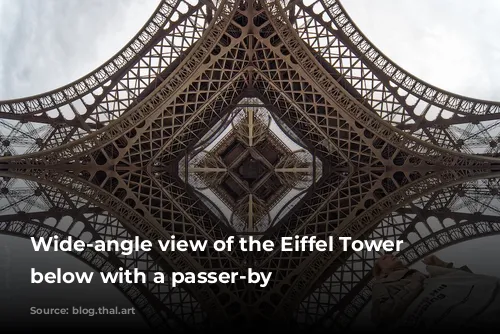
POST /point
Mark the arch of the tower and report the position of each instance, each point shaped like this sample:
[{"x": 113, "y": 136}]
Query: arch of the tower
[
  {"x": 436, "y": 221},
  {"x": 104, "y": 94},
  {"x": 47, "y": 120},
  {"x": 331, "y": 90},
  {"x": 32, "y": 209},
  {"x": 449, "y": 120}
]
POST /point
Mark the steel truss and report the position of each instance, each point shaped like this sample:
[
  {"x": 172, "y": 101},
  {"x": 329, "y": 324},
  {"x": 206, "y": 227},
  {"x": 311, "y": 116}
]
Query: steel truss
[{"x": 104, "y": 153}]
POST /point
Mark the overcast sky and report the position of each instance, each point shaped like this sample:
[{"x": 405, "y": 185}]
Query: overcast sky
[
  {"x": 48, "y": 43},
  {"x": 449, "y": 43}
]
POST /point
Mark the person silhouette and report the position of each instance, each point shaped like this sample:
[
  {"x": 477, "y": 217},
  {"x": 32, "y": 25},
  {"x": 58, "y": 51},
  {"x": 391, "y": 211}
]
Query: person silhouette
[{"x": 445, "y": 297}]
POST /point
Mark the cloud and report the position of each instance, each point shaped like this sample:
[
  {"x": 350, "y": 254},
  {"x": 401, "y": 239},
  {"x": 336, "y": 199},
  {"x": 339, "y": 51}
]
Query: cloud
[
  {"x": 46, "y": 44},
  {"x": 448, "y": 43}
]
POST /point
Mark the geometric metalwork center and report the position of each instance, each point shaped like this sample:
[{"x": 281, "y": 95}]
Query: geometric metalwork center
[
  {"x": 248, "y": 171},
  {"x": 251, "y": 170},
  {"x": 212, "y": 122}
]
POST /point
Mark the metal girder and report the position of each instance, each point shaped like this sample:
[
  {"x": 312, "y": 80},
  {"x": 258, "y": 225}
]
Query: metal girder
[
  {"x": 103, "y": 95},
  {"x": 436, "y": 221},
  {"x": 361, "y": 115},
  {"x": 68, "y": 215},
  {"x": 397, "y": 96}
]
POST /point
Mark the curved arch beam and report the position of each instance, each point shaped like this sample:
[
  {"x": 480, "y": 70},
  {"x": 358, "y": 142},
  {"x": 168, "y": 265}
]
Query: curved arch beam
[
  {"x": 161, "y": 295},
  {"x": 91, "y": 102},
  {"x": 161, "y": 20},
  {"x": 439, "y": 220},
  {"x": 352, "y": 109},
  {"x": 404, "y": 80},
  {"x": 367, "y": 222},
  {"x": 376, "y": 82},
  {"x": 142, "y": 114}
]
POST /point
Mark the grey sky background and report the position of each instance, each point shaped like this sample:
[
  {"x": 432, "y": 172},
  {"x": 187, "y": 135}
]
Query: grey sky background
[
  {"x": 45, "y": 44},
  {"x": 452, "y": 44}
]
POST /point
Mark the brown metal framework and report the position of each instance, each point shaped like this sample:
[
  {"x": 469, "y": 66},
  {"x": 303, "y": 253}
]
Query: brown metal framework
[{"x": 99, "y": 158}]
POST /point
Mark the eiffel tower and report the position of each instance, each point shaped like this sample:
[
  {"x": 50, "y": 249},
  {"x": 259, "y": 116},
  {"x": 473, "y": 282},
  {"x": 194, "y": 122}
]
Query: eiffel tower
[{"x": 259, "y": 118}]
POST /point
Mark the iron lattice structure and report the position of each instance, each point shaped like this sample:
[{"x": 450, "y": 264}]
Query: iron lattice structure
[{"x": 400, "y": 159}]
